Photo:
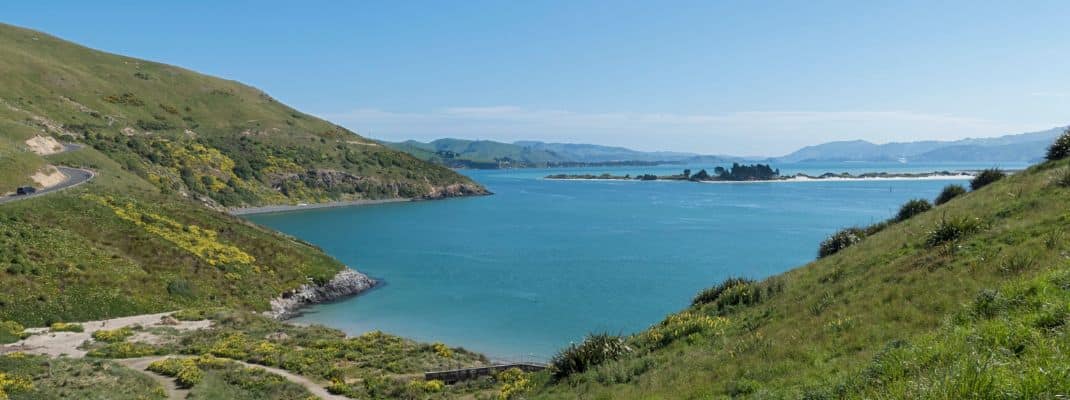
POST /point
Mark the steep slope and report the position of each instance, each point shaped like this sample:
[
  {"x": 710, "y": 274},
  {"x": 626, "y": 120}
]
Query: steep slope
[
  {"x": 223, "y": 142},
  {"x": 164, "y": 143},
  {"x": 1025, "y": 147},
  {"x": 967, "y": 300}
]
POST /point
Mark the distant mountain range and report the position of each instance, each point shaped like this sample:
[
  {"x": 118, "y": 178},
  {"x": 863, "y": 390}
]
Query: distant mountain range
[
  {"x": 1027, "y": 147},
  {"x": 487, "y": 154}
]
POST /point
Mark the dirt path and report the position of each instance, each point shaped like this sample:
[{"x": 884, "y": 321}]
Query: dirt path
[
  {"x": 312, "y": 387},
  {"x": 174, "y": 392},
  {"x": 142, "y": 365},
  {"x": 55, "y": 344}
]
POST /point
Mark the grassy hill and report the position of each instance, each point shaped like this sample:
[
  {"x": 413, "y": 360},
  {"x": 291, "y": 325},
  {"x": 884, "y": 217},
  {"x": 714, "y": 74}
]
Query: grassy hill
[
  {"x": 165, "y": 143},
  {"x": 968, "y": 300},
  {"x": 223, "y": 142}
]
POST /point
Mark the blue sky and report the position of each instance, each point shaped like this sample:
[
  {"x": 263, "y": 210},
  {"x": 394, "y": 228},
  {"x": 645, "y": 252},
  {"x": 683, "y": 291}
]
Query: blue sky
[{"x": 739, "y": 77}]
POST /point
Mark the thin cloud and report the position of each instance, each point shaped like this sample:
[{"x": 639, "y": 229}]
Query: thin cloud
[{"x": 744, "y": 132}]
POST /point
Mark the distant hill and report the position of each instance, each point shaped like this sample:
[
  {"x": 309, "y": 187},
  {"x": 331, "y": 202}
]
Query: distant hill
[
  {"x": 485, "y": 154},
  {"x": 1026, "y": 147}
]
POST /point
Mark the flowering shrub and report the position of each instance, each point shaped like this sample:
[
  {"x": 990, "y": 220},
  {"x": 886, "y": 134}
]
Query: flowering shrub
[
  {"x": 13, "y": 384},
  {"x": 11, "y": 331},
  {"x": 682, "y": 325},
  {"x": 66, "y": 327},
  {"x": 199, "y": 241},
  {"x": 1061, "y": 148},
  {"x": 514, "y": 383},
  {"x": 113, "y": 335},
  {"x": 839, "y": 241},
  {"x": 442, "y": 350},
  {"x": 124, "y": 350},
  {"x": 431, "y": 386},
  {"x": 184, "y": 370}
]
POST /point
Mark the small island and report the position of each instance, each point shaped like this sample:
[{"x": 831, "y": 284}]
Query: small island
[{"x": 758, "y": 173}]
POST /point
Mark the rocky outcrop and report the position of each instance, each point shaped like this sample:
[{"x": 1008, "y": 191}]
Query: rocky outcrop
[
  {"x": 346, "y": 283},
  {"x": 456, "y": 190}
]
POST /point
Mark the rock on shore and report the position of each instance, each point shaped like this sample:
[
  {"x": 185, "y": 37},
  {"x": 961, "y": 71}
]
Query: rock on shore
[{"x": 346, "y": 283}]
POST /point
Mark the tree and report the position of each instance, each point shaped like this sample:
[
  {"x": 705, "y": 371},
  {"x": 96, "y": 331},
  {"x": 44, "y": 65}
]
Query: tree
[{"x": 1061, "y": 148}]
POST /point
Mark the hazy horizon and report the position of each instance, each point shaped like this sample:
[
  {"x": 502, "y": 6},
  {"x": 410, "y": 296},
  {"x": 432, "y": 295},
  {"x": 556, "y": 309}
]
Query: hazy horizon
[{"x": 701, "y": 77}]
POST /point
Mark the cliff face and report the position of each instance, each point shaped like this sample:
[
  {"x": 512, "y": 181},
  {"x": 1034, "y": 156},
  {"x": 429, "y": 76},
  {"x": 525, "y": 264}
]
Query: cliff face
[{"x": 346, "y": 283}]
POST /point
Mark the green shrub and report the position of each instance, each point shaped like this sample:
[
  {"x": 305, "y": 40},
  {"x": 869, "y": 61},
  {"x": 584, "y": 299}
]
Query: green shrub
[
  {"x": 949, "y": 230},
  {"x": 986, "y": 177},
  {"x": 874, "y": 228},
  {"x": 66, "y": 327},
  {"x": 11, "y": 331},
  {"x": 595, "y": 349},
  {"x": 950, "y": 192},
  {"x": 113, "y": 335},
  {"x": 912, "y": 208},
  {"x": 124, "y": 350},
  {"x": 710, "y": 295},
  {"x": 839, "y": 241},
  {"x": 1061, "y": 148},
  {"x": 184, "y": 370}
]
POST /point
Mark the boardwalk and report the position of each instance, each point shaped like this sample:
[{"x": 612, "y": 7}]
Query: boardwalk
[{"x": 457, "y": 375}]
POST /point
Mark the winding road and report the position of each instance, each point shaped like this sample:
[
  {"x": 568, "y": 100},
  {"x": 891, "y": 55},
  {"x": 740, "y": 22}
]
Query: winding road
[{"x": 75, "y": 177}]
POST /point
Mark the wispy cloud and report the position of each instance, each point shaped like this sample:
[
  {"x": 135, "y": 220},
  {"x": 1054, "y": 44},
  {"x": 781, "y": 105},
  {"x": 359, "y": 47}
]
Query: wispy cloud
[{"x": 744, "y": 132}]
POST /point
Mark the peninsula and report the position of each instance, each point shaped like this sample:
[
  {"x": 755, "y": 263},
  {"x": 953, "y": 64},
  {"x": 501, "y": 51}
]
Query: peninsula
[{"x": 759, "y": 173}]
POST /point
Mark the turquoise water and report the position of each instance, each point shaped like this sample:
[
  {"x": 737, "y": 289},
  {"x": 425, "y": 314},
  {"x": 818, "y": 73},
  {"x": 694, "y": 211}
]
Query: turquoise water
[{"x": 541, "y": 263}]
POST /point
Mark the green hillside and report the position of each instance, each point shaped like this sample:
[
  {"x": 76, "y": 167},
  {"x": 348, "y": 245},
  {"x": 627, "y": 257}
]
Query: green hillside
[
  {"x": 967, "y": 300},
  {"x": 165, "y": 143},
  {"x": 225, "y": 143}
]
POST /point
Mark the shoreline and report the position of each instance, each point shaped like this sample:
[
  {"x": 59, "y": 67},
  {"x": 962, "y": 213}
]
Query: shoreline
[
  {"x": 312, "y": 206},
  {"x": 788, "y": 180},
  {"x": 345, "y": 284}
]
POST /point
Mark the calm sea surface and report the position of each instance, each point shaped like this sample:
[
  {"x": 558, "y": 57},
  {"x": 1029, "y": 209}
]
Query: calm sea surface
[{"x": 541, "y": 263}]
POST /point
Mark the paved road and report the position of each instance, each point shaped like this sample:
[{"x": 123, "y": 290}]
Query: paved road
[{"x": 75, "y": 177}]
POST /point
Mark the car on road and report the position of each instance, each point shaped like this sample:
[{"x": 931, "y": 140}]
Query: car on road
[{"x": 25, "y": 190}]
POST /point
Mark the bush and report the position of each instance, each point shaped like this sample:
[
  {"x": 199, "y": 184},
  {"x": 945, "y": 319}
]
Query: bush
[
  {"x": 839, "y": 241},
  {"x": 1061, "y": 148},
  {"x": 113, "y": 335},
  {"x": 184, "y": 370},
  {"x": 682, "y": 325},
  {"x": 11, "y": 331},
  {"x": 950, "y": 192},
  {"x": 949, "y": 230},
  {"x": 912, "y": 208},
  {"x": 595, "y": 349},
  {"x": 66, "y": 327},
  {"x": 986, "y": 178},
  {"x": 710, "y": 295},
  {"x": 1064, "y": 179},
  {"x": 124, "y": 350}
]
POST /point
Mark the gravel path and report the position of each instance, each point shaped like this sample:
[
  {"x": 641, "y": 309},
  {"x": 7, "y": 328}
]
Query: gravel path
[{"x": 55, "y": 344}]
